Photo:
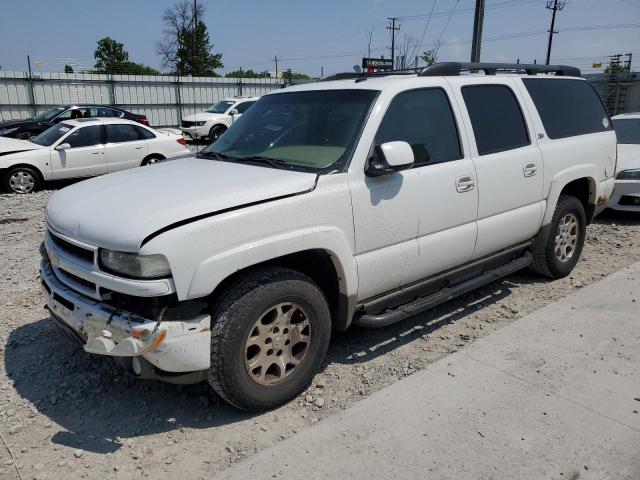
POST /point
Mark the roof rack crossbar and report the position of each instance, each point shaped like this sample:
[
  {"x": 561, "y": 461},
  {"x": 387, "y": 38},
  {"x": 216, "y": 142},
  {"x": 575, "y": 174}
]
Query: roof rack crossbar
[{"x": 453, "y": 69}]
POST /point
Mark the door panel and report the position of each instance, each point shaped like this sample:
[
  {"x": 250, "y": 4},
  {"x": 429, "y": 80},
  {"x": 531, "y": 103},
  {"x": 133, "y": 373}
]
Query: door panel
[
  {"x": 121, "y": 156},
  {"x": 84, "y": 158},
  {"x": 417, "y": 222},
  {"x": 508, "y": 163},
  {"x": 124, "y": 148},
  {"x": 78, "y": 162}
]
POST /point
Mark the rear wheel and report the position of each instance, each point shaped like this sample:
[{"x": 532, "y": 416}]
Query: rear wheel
[
  {"x": 215, "y": 132},
  {"x": 151, "y": 159},
  {"x": 21, "y": 180},
  {"x": 556, "y": 255},
  {"x": 269, "y": 336}
]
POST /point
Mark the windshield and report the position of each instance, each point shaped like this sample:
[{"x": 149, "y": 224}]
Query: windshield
[
  {"x": 628, "y": 130},
  {"x": 310, "y": 130},
  {"x": 49, "y": 114},
  {"x": 220, "y": 107},
  {"x": 51, "y": 135}
]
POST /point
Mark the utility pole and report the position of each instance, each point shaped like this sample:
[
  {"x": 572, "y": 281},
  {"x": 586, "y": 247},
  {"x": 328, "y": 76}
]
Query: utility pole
[
  {"x": 393, "y": 29},
  {"x": 627, "y": 62},
  {"x": 554, "y": 6},
  {"x": 478, "y": 19},
  {"x": 195, "y": 37},
  {"x": 275, "y": 59}
]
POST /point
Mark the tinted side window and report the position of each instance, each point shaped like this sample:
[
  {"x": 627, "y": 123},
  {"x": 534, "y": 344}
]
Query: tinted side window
[
  {"x": 85, "y": 137},
  {"x": 119, "y": 133},
  {"x": 567, "y": 107},
  {"x": 423, "y": 119},
  {"x": 628, "y": 130},
  {"x": 242, "y": 107},
  {"x": 143, "y": 133},
  {"x": 497, "y": 120}
]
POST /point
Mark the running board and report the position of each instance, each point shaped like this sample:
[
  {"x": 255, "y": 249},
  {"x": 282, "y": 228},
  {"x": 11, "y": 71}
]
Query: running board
[{"x": 421, "y": 304}]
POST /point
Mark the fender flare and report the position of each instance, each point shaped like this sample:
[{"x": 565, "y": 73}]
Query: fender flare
[{"x": 562, "y": 179}]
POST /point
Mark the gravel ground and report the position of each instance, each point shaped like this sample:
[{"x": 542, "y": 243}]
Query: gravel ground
[{"x": 64, "y": 414}]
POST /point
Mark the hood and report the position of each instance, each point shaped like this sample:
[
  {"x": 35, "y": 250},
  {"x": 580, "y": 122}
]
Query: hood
[
  {"x": 628, "y": 157},
  {"x": 118, "y": 211},
  {"x": 15, "y": 123},
  {"x": 204, "y": 116},
  {"x": 13, "y": 145}
]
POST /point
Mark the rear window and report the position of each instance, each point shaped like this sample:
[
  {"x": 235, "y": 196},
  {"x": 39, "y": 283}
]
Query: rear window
[
  {"x": 567, "y": 107},
  {"x": 628, "y": 130},
  {"x": 498, "y": 124}
]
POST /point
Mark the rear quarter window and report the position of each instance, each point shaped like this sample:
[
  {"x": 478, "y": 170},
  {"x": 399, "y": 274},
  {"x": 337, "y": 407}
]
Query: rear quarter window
[{"x": 567, "y": 107}]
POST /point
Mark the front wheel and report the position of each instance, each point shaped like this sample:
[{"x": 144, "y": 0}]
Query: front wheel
[
  {"x": 269, "y": 336},
  {"x": 556, "y": 255},
  {"x": 21, "y": 180},
  {"x": 216, "y": 132}
]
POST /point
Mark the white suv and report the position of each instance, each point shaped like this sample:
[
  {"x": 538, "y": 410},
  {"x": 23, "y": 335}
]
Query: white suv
[
  {"x": 216, "y": 119},
  {"x": 626, "y": 194},
  {"x": 361, "y": 200}
]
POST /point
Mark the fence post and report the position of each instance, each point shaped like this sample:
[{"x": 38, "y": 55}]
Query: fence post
[
  {"x": 239, "y": 87},
  {"x": 31, "y": 90},
  {"x": 112, "y": 90},
  {"x": 178, "y": 100}
]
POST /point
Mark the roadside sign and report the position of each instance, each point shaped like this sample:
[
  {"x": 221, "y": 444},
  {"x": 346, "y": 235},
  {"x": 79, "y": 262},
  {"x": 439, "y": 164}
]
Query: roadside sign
[
  {"x": 597, "y": 65},
  {"x": 371, "y": 65}
]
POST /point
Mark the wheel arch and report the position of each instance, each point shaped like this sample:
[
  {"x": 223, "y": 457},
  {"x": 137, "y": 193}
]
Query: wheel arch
[
  {"x": 4, "y": 170},
  {"x": 159, "y": 156},
  {"x": 321, "y": 266},
  {"x": 580, "y": 184}
]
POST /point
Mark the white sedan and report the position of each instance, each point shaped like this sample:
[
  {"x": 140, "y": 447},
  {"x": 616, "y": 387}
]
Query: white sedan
[{"x": 83, "y": 148}]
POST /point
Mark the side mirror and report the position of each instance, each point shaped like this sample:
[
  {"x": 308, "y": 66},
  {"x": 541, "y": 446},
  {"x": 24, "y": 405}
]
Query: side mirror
[
  {"x": 388, "y": 158},
  {"x": 63, "y": 146},
  {"x": 233, "y": 112}
]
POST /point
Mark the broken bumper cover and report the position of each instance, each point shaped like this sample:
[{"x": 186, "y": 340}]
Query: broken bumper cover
[
  {"x": 171, "y": 346},
  {"x": 626, "y": 196}
]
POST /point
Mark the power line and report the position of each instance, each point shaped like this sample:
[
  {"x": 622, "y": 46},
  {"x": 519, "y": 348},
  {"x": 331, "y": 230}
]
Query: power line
[
  {"x": 493, "y": 6},
  {"x": 415, "y": 47},
  {"x": 446, "y": 24}
]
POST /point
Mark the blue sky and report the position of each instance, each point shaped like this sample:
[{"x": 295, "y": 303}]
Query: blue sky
[{"x": 310, "y": 34}]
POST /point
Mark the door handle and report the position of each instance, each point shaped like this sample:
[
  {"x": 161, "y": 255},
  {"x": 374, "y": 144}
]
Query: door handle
[
  {"x": 530, "y": 169},
  {"x": 95, "y": 153},
  {"x": 465, "y": 183},
  {"x": 138, "y": 148}
]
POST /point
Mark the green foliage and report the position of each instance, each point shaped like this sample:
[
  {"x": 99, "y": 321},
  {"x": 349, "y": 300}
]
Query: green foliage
[
  {"x": 68, "y": 69},
  {"x": 194, "y": 55},
  {"x": 615, "y": 67},
  {"x": 186, "y": 48},
  {"x": 245, "y": 74},
  {"x": 112, "y": 58},
  {"x": 109, "y": 54},
  {"x": 429, "y": 57},
  {"x": 299, "y": 76}
]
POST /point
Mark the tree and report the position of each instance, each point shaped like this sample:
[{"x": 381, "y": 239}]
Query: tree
[
  {"x": 615, "y": 67},
  {"x": 110, "y": 55},
  {"x": 406, "y": 47},
  {"x": 112, "y": 58},
  {"x": 429, "y": 57},
  {"x": 68, "y": 69},
  {"x": 186, "y": 47},
  {"x": 299, "y": 76},
  {"x": 244, "y": 74}
]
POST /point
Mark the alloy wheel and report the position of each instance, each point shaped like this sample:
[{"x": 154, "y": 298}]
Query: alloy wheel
[
  {"x": 277, "y": 343},
  {"x": 566, "y": 237},
  {"x": 22, "y": 181}
]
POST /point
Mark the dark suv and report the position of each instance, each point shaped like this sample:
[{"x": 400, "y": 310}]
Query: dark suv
[{"x": 31, "y": 127}]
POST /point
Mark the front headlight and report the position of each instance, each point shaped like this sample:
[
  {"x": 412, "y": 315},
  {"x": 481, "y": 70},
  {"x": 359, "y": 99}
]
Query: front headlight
[
  {"x": 629, "y": 175},
  {"x": 199, "y": 124},
  {"x": 133, "y": 265},
  {"x": 6, "y": 131}
]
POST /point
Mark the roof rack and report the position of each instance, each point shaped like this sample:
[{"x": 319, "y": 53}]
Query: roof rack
[
  {"x": 452, "y": 69},
  {"x": 363, "y": 76}
]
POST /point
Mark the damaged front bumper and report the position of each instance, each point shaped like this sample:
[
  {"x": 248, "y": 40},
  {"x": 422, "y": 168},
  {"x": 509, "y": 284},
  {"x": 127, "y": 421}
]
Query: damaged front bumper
[{"x": 174, "y": 347}]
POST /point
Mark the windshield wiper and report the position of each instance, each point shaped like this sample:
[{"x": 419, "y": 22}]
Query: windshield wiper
[
  {"x": 219, "y": 156},
  {"x": 272, "y": 162}
]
